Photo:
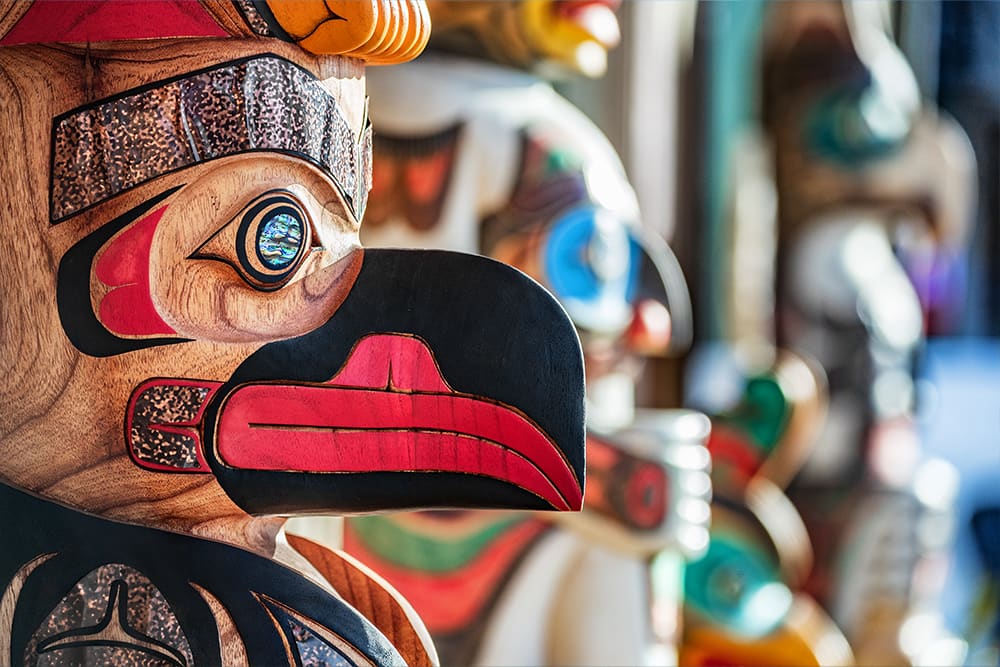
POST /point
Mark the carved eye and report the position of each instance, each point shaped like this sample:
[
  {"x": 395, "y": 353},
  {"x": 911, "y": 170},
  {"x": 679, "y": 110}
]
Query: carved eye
[
  {"x": 266, "y": 242},
  {"x": 272, "y": 238}
]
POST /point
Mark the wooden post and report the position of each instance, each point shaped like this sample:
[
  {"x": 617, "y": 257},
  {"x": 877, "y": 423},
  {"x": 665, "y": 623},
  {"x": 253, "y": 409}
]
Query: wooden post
[{"x": 865, "y": 174}]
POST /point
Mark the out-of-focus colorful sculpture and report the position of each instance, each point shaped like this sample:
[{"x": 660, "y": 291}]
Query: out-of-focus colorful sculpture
[
  {"x": 864, "y": 174},
  {"x": 485, "y": 157},
  {"x": 743, "y": 603}
]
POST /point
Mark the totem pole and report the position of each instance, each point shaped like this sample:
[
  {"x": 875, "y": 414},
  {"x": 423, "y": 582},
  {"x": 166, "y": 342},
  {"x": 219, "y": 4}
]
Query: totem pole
[
  {"x": 485, "y": 157},
  {"x": 743, "y": 599},
  {"x": 861, "y": 170},
  {"x": 195, "y": 344}
]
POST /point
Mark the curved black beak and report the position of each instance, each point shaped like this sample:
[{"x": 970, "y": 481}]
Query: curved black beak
[{"x": 444, "y": 380}]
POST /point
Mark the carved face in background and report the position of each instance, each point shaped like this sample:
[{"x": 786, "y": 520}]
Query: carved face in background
[
  {"x": 188, "y": 315},
  {"x": 568, "y": 227},
  {"x": 595, "y": 266},
  {"x": 568, "y": 219},
  {"x": 573, "y": 35}
]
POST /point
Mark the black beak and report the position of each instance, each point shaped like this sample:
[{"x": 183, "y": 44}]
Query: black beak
[{"x": 444, "y": 380}]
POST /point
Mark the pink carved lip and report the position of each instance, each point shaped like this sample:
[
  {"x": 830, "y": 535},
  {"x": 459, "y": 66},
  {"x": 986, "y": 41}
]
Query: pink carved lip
[{"x": 389, "y": 410}]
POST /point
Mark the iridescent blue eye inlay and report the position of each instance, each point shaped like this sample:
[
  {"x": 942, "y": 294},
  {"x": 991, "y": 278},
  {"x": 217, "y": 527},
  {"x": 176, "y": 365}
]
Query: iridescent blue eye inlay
[
  {"x": 273, "y": 237},
  {"x": 279, "y": 240}
]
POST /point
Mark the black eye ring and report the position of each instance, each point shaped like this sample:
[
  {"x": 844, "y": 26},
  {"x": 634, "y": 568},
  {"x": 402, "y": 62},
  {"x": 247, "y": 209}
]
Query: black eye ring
[{"x": 271, "y": 238}]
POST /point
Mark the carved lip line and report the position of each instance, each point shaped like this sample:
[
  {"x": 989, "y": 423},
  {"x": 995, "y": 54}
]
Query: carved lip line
[
  {"x": 389, "y": 408},
  {"x": 387, "y": 430},
  {"x": 524, "y": 468}
]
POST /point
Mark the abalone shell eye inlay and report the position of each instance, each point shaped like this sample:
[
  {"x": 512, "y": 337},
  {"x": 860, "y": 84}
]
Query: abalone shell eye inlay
[
  {"x": 272, "y": 238},
  {"x": 279, "y": 240},
  {"x": 265, "y": 243}
]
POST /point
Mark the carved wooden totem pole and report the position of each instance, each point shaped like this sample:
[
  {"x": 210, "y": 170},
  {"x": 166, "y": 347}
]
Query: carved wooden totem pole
[
  {"x": 743, "y": 600},
  {"x": 485, "y": 157},
  {"x": 861, "y": 170},
  {"x": 195, "y": 344}
]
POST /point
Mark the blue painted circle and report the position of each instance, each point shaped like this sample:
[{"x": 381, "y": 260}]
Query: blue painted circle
[
  {"x": 569, "y": 266},
  {"x": 279, "y": 240}
]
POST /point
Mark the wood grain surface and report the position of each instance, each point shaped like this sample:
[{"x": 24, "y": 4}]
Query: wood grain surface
[
  {"x": 370, "y": 595},
  {"x": 71, "y": 453}
]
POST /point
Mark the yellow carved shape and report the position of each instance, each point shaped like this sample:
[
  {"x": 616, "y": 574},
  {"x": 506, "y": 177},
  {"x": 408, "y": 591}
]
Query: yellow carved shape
[{"x": 566, "y": 41}]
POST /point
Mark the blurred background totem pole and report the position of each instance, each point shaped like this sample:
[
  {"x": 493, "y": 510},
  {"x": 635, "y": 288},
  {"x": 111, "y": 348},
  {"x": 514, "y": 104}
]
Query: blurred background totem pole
[
  {"x": 195, "y": 345},
  {"x": 874, "y": 191},
  {"x": 475, "y": 152},
  {"x": 744, "y": 602},
  {"x": 841, "y": 214}
]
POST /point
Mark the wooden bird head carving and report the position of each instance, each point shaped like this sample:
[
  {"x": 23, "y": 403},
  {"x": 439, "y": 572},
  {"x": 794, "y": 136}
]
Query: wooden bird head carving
[
  {"x": 572, "y": 225},
  {"x": 557, "y": 36},
  {"x": 192, "y": 333}
]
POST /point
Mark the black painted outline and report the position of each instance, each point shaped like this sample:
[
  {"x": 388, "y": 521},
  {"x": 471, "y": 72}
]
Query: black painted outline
[{"x": 172, "y": 562}]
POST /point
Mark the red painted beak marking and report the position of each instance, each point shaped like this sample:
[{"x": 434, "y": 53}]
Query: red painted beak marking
[
  {"x": 391, "y": 362},
  {"x": 389, "y": 409}
]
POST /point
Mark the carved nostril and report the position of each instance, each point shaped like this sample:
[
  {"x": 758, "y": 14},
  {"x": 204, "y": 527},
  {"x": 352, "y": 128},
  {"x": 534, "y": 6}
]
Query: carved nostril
[{"x": 393, "y": 362}]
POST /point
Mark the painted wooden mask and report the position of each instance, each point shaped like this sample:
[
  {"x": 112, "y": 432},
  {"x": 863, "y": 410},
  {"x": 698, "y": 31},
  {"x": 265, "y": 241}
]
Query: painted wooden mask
[{"x": 190, "y": 323}]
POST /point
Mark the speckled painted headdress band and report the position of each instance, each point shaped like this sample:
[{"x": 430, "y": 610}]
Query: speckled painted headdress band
[{"x": 264, "y": 103}]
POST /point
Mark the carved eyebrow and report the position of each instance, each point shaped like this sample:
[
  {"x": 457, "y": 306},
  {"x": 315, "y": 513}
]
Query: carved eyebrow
[{"x": 261, "y": 103}]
